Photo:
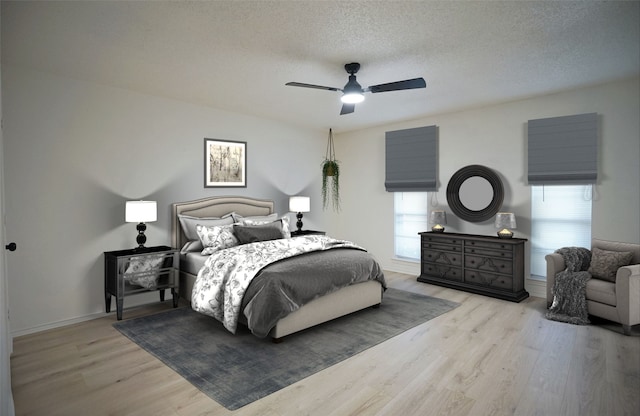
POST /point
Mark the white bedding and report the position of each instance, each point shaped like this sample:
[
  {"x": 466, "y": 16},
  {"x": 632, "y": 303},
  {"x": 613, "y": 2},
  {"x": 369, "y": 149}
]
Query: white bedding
[{"x": 220, "y": 286}]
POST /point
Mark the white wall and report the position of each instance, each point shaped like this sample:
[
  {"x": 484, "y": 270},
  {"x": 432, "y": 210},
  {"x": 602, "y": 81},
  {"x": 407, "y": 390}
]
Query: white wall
[
  {"x": 75, "y": 152},
  {"x": 495, "y": 136}
]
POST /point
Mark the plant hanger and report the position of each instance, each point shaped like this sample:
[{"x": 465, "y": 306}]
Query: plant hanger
[{"x": 330, "y": 176}]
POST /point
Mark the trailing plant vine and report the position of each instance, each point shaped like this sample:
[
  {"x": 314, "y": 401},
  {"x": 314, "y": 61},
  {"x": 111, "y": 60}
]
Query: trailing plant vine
[{"x": 330, "y": 177}]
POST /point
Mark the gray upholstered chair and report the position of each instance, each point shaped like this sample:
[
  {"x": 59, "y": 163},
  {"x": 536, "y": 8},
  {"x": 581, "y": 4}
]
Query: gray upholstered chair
[{"x": 617, "y": 299}]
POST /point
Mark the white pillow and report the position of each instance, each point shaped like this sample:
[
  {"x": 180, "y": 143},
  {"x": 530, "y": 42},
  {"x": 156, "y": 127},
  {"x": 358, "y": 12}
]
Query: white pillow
[
  {"x": 268, "y": 218},
  {"x": 143, "y": 271},
  {"x": 189, "y": 224},
  {"x": 216, "y": 238}
]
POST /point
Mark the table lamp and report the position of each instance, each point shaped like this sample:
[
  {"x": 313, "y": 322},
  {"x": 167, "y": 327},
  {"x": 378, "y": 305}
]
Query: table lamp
[
  {"x": 141, "y": 212},
  {"x": 504, "y": 221},
  {"x": 299, "y": 204},
  {"x": 438, "y": 218}
]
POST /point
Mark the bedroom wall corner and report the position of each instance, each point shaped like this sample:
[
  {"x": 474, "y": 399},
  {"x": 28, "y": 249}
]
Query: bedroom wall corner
[{"x": 76, "y": 151}]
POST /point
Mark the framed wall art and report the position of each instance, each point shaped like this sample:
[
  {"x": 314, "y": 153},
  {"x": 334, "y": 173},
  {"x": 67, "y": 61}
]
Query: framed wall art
[{"x": 225, "y": 164}]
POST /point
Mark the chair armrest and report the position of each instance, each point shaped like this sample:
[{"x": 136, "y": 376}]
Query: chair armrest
[
  {"x": 628, "y": 294},
  {"x": 555, "y": 264}
]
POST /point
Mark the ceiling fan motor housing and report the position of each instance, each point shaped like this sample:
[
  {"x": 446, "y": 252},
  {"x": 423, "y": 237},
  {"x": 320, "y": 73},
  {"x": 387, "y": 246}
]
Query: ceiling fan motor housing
[{"x": 352, "y": 68}]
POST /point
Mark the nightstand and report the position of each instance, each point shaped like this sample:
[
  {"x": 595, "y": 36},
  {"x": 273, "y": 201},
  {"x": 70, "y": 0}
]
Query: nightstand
[
  {"x": 128, "y": 272},
  {"x": 297, "y": 233}
]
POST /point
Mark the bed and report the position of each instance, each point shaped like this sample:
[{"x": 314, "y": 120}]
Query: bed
[{"x": 340, "y": 302}]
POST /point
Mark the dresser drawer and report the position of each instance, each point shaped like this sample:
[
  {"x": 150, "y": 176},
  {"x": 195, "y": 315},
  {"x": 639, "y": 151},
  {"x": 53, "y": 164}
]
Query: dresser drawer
[
  {"x": 479, "y": 278},
  {"x": 443, "y": 240},
  {"x": 441, "y": 271},
  {"x": 488, "y": 244},
  {"x": 442, "y": 247},
  {"x": 442, "y": 257},
  {"x": 491, "y": 253},
  {"x": 488, "y": 264}
]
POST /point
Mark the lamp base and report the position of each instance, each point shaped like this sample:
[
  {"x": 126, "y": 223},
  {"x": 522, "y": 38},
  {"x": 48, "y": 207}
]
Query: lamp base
[
  {"x": 299, "y": 222},
  {"x": 141, "y": 238},
  {"x": 504, "y": 233},
  {"x": 437, "y": 228}
]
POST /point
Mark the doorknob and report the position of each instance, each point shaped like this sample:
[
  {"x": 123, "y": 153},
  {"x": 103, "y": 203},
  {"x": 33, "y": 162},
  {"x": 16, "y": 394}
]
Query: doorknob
[{"x": 11, "y": 246}]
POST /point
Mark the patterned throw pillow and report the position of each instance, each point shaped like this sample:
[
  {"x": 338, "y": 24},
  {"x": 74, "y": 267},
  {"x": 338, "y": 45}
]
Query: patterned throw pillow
[
  {"x": 216, "y": 238},
  {"x": 189, "y": 224},
  {"x": 605, "y": 264},
  {"x": 143, "y": 271}
]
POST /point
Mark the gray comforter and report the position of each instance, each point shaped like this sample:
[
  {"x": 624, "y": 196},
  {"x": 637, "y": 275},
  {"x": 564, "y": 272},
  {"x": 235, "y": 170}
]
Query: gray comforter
[
  {"x": 286, "y": 285},
  {"x": 227, "y": 275}
]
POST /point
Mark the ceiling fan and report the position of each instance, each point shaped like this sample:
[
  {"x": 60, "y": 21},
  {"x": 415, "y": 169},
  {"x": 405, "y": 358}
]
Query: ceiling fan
[{"x": 353, "y": 93}]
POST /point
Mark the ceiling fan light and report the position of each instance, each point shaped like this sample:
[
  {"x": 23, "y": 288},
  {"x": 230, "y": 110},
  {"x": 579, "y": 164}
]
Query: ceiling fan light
[{"x": 352, "y": 97}]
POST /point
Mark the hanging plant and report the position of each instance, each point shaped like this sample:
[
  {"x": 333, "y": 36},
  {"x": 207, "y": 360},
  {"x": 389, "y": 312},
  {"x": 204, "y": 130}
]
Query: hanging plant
[{"x": 330, "y": 177}]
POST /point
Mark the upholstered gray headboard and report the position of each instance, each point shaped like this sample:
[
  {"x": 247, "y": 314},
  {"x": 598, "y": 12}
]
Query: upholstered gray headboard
[{"x": 216, "y": 206}]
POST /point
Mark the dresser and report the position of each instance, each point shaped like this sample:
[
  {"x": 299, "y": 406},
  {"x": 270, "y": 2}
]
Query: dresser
[{"x": 486, "y": 265}]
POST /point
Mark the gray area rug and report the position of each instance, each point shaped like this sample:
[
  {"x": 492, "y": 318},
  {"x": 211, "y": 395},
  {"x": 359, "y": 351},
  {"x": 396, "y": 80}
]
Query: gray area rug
[{"x": 235, "y": 370}]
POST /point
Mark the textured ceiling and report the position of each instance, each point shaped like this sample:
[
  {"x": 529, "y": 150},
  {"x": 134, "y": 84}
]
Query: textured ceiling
[{"x": 237, "y": 56}]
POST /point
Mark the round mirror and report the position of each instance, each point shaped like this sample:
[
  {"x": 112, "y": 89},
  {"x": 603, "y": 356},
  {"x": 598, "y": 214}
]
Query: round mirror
[{"x": 475, "y": 193}]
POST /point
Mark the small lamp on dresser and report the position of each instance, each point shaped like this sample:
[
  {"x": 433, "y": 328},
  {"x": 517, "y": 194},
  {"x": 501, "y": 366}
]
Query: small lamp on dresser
[
  {"x": 299, "y": 204},
  {"x": 141, "y": 212},
  {"x": 504, "y": 221},
  {"x": 438, "y": 218}
]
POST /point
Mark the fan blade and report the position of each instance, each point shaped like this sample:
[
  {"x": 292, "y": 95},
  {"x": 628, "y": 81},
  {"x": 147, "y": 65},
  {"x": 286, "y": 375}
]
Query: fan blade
[
  {"x": 347, "y": 108},
  {"x": 407, "y": 84},
  {"x": 318, "y": 87}
]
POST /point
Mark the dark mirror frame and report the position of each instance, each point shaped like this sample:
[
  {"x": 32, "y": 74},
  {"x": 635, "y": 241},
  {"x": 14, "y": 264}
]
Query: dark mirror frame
[{"x": 453, "y": 193}]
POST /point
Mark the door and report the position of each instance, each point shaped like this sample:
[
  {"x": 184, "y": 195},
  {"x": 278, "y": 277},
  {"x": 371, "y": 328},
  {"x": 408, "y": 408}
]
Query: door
[{"x": 6, "y": 343}]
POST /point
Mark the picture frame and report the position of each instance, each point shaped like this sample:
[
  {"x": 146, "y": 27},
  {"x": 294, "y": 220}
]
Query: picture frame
[{"x": 225, "y": 164}]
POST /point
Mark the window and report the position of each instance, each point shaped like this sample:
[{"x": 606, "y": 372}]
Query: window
[
  {"x": 560, "y": 217},
  {"x": 411, "y": 211}
]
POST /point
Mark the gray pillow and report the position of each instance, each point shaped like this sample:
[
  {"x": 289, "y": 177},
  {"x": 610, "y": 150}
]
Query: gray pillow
[
  {"x": 605, "y": 264},
  {"x": 254, "y": 233}
]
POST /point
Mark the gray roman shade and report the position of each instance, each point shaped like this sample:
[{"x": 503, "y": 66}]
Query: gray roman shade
[
  {"x": 563, "y": 150},
  {"x": 411, "y": 158}
]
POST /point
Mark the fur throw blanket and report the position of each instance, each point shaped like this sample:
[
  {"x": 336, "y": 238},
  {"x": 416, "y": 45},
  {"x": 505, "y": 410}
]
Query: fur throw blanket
[{"x": 570, "y": 287}]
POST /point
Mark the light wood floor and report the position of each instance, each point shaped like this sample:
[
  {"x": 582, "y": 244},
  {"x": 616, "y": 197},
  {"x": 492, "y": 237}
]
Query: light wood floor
[{"x": 487, "y": 357}]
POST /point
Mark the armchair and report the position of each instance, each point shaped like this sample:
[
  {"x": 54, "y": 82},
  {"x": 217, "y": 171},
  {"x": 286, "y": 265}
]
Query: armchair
[{"x": 617, "y": 301}]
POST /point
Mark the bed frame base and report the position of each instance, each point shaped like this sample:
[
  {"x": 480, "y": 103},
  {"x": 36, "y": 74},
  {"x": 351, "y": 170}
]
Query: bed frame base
[{"x": 334, "y": 305}]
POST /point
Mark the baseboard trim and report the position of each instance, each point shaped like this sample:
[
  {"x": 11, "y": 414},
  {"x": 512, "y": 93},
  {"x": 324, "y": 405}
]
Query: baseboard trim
[
  {"x": 57, "y": 324},
  {"x": 536, "y": 288},
  {"x": 403, "y": 266}
]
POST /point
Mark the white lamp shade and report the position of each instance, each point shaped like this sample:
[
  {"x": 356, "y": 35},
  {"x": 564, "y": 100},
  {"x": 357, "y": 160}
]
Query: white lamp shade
[
  {"x": 438, "y": 217},
  {"x": 505, "y": 220},
  {"x": 141, "y": 211},
  {"x": 299, "y": 204}
]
